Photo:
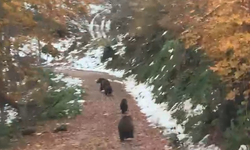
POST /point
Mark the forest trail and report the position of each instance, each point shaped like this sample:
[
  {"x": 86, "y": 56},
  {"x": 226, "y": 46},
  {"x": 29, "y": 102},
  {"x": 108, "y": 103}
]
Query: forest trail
[{"x": 96, "y": 127}]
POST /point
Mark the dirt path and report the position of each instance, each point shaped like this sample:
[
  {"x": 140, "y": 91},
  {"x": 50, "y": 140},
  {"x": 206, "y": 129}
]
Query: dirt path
[{"x": 96, "y": 128}]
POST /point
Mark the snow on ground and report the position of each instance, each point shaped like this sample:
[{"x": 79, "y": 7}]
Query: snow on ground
[
  {"x": 70, "y": 81},
  {"x": 156, "y": 114},
  {"x": 63, "y": 45},
  {"x": 30, "y": 48},
  {"x": 94, "y": 9},
  {"x": 11, "y": 114},
  {"x": 120, "y": 82},
  {"x": 73, "y": 101},
  {"x": 92, "y": 62},
  {"x": 244, "y": 147},
  {"x": 190, "y": 112},
  {"x": 80, "y": 24}
]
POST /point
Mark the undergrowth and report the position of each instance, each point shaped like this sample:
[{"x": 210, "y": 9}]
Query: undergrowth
[{"x": 59, "y": 101}]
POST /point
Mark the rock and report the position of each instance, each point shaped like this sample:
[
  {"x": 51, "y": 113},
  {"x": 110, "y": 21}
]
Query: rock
[
  {"x": 28, "y": 131},
  {"x": 62, "y": 127}
]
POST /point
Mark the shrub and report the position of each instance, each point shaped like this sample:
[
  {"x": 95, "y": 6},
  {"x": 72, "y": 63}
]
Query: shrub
[
  {"x": 4, "y": 136},
  {"x": 65, "y": 103}
]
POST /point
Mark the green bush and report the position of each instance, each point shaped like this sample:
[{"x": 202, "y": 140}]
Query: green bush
[
  {"x": 7, "y": 132},
  {"x": 56, "y": 102},
  {"x": 63, "y": 108},
  {"x": 4, "y": 136}
]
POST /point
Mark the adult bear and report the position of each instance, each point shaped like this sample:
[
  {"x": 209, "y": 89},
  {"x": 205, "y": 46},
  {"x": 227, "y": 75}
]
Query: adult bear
[
  {"x": 105, "y": 85},
  {"x": 126, "y": 128}
]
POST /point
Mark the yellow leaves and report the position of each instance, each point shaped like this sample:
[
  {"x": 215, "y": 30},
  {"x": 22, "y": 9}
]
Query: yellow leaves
[
  {"x": 7, "y": 7},
  {"x": 237, "y": 19},
  {"x": 17, "y": 5},
  {"x": 214, "y": 68},
  {"x": 231, "y": 95},
  {"x": 190, "y": 39},
  {"x": 246, "y": 93},
  {"x": 225, "y": 45},
  {"x": 238, "y": 74},
  {"x": 233, "y": 64},
  {"x": 223, "y": 29},
  {"x": 49, "y": 8},
  {"x": 16, "y": 15},
  {"x": 244, "y": 67}
]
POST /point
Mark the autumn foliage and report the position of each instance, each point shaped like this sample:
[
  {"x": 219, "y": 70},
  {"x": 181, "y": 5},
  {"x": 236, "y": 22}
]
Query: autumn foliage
[
  {"x": 21, "y": 21},
  {"x": 222, "y": 31}
]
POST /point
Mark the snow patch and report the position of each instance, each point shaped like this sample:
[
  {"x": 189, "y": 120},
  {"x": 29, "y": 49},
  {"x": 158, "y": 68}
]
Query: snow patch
[
  {"x": 95, "y": 8},
  {"x": 156, "y": 113},
  {"x": 188, "y": 108},
  {"x": 11, "y": 114},
  {"x": 78, "y": 101},
  {"x": 117, "y": 81},
  {"x": 72, "y": 81},
  {"x": 63, "y": 45},
  {"x": 92, "y": 62}
]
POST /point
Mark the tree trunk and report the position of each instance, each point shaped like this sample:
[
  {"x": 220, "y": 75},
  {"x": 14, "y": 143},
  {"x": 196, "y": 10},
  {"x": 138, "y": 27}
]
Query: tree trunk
[
  {"x": 23, "y": 114},
  {"x": 39, "y": 52},
  {"x": 3, "y": 116}
]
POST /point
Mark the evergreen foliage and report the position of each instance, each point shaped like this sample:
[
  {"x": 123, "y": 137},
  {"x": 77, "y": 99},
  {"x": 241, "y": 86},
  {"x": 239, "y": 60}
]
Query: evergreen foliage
[
  {"x": 63, "y": 108},
  {"x": 4, "y": 138},
  {"x": 61, "y": 101},
  {"x": 180, "y": 74}
]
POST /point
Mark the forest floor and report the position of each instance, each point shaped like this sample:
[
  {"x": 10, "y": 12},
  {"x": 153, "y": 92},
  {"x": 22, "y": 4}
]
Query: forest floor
[{"x": 97, "y": 127}]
